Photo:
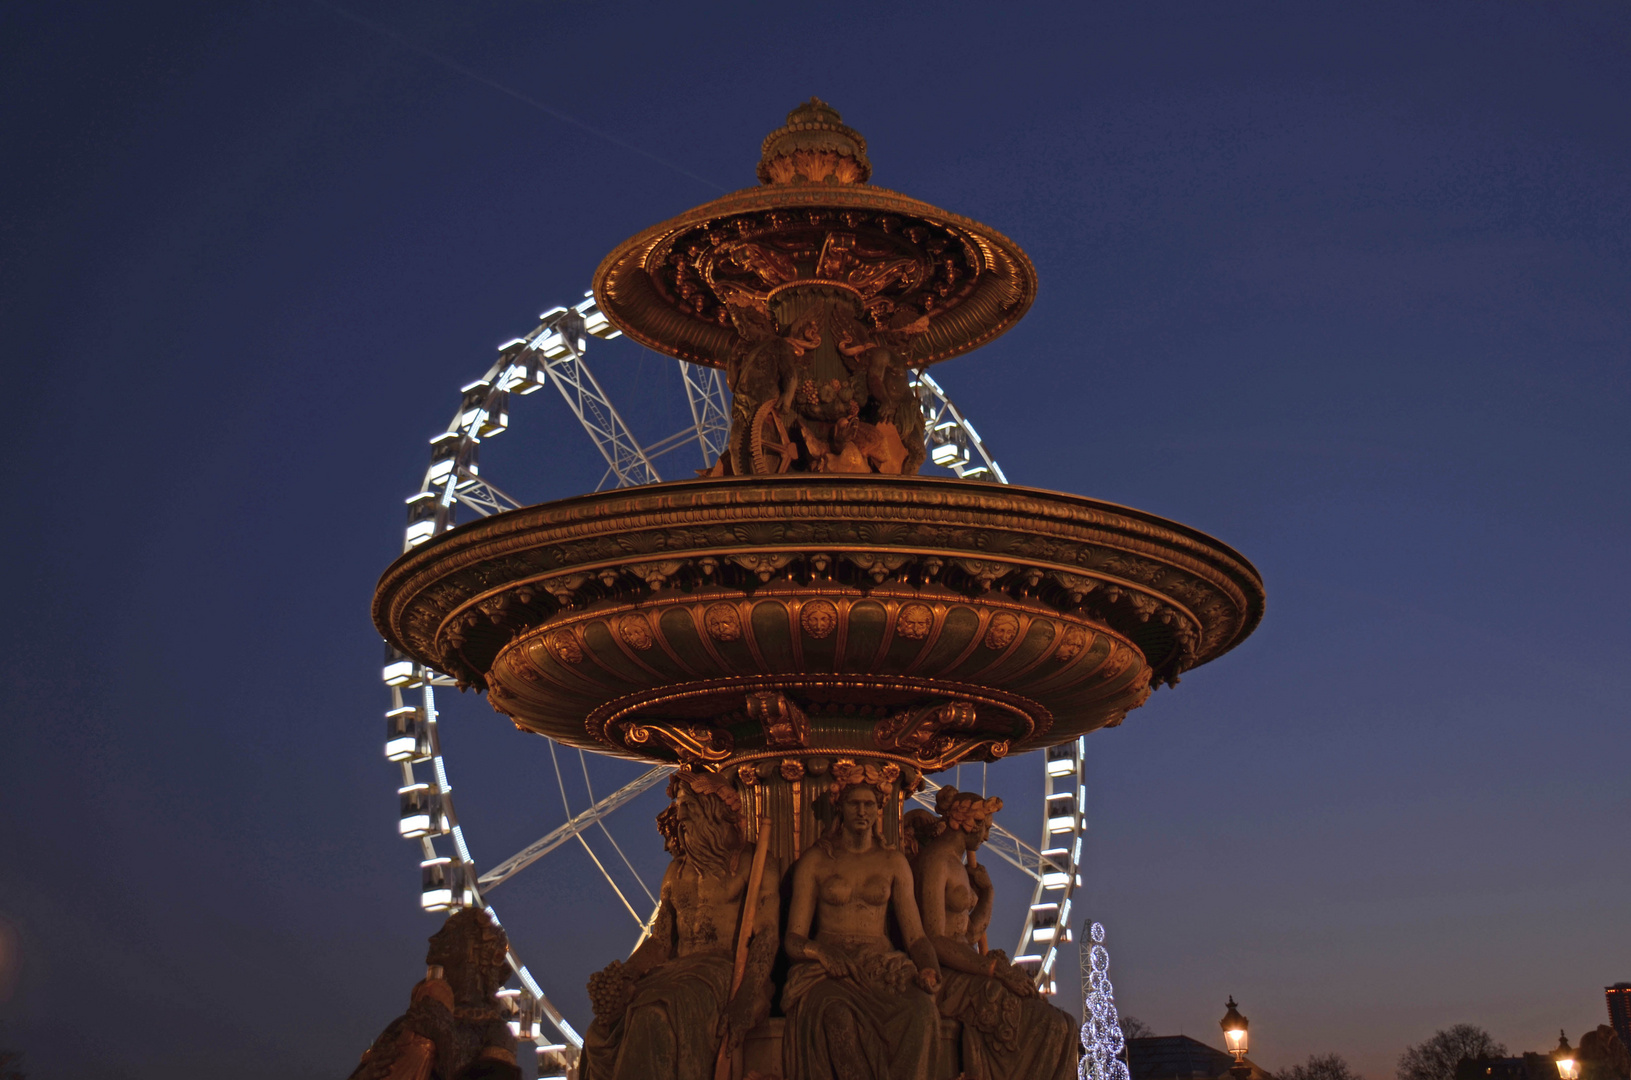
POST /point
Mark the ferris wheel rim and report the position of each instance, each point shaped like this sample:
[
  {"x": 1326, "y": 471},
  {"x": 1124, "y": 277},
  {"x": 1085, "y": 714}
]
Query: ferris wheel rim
[{"x": 554, "y": 352}]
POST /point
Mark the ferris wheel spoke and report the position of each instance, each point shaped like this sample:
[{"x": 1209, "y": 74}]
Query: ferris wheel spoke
[
  {"x": 635, "y": 915},
  {"x": 594, "y": 410},
  {"x": 645, "y": 931},
  {"x": 627, "y": 459},
  {"x": 710, "y": 413},
  {"x": 566, "y": 832},
  {"x": 482, "y": 497},
  {"x": 560, "y": 782},
  {"x": 610, "y": 839},
  {"x": 680, "y": 438}
]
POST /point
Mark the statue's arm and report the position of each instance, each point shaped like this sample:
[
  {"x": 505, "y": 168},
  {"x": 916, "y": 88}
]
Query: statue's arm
[
  {"x": 767, "y": 919},
  {"x": 918, "y": 946},
  {"x": 979, "y": 920},
  {"x": 878, "y": 361},
  {"x": 658, "y": 948},
  {"x": 802, "y": 912}
]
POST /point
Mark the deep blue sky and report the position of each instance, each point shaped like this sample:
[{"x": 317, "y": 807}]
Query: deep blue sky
[{"x": 1350, "y": 290}]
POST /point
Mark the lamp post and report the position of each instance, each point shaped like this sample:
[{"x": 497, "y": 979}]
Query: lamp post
[
  {"x": 1568, "y": 1068},
  {"x": 1234, "y": 1037}
]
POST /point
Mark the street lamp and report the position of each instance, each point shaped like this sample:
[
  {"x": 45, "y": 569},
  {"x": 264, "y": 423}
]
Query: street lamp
[
  {"x": 1234, "y": 1037},
  {"x": 1567, "y": 1067}
]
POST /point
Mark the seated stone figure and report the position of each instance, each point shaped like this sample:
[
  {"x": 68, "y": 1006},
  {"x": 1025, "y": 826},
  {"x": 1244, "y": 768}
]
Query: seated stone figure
[
  {"x": 1008, "y": 1031},
  {"x": 454, "y": 1028},
  {"x": 664, "y": 1014},
  {"x": 857, "y": 1007}
]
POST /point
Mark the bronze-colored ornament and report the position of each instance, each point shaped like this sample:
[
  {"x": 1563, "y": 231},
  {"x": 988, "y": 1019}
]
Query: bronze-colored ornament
[
  {"x": 914, "y": 622},
  {"x": 691, "y": 744},
  {"x": 786, "y": 726},
  {"x": 674, "y": 286},
  {"x": 1075, "y": 641},
  {"x": 565, "y": 647},
  {"x": 1004, "y": 628},
  {"x": 792, "y": 771},
  {"x": 722, "y": 622},
  {"x": 819, "y": 618},
  {"x": 815, "y": 145},
  {"x": 1118, "y": 661},
  {"x": 635, "y": 632}
]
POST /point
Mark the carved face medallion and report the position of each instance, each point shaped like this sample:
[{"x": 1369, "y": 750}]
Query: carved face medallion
[
  {"x": 565, "y": 647},
  {"x": 1002, "y": 631},
  {"x": 722, "y": 622},
  {"x": 914, "y": 621},
  {"x": 635, "y": 632},
  {"x": 819, "y": 618},
  {"x": 1073, "y": 644}
]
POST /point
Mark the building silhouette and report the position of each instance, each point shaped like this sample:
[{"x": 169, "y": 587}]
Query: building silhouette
[
  {"x": 1522, "y": 1067},
  {"x": 1619, "y": 1009},
  {"x": 1178, "y": 1057}
]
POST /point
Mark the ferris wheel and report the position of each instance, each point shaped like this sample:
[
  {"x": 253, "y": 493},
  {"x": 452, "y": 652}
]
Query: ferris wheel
[{"x": 553, "y": 354}]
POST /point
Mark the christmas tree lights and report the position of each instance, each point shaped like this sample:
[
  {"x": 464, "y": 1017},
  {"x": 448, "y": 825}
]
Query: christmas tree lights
[{"x": 1101, "y": 1030}]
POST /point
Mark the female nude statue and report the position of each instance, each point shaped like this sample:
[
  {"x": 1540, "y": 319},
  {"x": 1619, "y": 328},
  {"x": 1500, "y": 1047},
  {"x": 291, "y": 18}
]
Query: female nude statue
[
  {"x": 1008, "y": 1030},
  {"x": 856, "y": 1006}
]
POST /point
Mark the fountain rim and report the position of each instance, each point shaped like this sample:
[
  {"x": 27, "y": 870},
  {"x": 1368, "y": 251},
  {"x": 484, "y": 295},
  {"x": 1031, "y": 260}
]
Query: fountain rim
[{"x": 413, "y": 570}]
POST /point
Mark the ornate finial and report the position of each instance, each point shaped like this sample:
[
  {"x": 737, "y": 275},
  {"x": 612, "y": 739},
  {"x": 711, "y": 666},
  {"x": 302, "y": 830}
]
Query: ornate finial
[{"x": 814, "y": 146}]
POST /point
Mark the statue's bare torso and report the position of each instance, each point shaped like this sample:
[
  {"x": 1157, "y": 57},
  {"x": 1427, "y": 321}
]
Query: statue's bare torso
[
  {"x": 853, "y": 891},
  {"x": 958, "y": 898},
  {"x": 706, "y": 909}
]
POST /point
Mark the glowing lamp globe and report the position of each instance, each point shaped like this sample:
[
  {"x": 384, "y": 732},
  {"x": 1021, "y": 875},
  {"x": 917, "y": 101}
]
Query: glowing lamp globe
[
  {"x": 1568, "y": 1068},
  {"x": 1234, "y": 1030}
]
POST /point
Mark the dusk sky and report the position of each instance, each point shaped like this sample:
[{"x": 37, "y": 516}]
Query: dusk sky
[{"x": 1349, "y": 290}]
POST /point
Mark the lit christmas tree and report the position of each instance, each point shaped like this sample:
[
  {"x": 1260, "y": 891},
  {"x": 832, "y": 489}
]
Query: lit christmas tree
[{"x": 1101, "y": 1031}]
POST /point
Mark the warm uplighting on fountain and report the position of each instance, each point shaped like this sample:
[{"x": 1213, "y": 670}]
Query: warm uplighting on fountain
[{"x": 807, "y": 610}]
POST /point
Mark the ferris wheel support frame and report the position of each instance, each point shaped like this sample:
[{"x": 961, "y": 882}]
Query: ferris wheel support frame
[{"x": 553, "y": 352}]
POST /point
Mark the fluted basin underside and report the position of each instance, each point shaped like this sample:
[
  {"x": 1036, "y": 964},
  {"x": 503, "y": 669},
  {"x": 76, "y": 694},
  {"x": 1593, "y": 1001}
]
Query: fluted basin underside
[{"x": 604, "y": 619}]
